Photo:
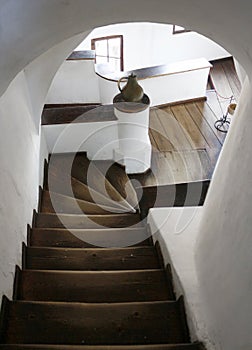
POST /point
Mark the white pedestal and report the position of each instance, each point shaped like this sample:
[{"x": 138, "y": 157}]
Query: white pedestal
[{"x": 134, "y": 150}]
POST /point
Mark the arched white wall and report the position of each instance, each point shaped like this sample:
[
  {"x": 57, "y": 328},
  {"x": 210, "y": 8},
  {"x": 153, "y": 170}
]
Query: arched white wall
[
  {"x": 152, "y": 44},
  {"x": 30, "y": 28},
  {"x": 22, "y": 153}
]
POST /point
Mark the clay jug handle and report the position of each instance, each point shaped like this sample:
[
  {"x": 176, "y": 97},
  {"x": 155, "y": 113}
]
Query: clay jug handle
[{"x": 119, "y": 82}]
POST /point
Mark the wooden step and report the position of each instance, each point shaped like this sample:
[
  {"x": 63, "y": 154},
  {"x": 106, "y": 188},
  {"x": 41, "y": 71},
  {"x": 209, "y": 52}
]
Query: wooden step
[
  {"x": 59, "y": 182},
  {"x": 189, "y": 346},
  {"x": 135, "y": 258},
  {"x": 87, "y": 221},
  {"x": 93, "y": 287},
  {"x": 54, "y": 202},
  {"x": 79, "y": 167},
  {"x": 175, "y": 195},
  {"x": 94, "y": 324},
  {"x": 112, "y": 237},
  {"x": 117, "y": 176}
]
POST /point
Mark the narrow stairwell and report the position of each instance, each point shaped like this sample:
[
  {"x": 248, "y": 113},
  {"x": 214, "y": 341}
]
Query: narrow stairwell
[{"x": 91, "y": 277}]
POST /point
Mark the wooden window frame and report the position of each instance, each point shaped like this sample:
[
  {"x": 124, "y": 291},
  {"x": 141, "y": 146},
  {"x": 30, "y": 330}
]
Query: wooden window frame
[
  {"x": 93, "y": 41},
  {"x": 179, "y": 31}
]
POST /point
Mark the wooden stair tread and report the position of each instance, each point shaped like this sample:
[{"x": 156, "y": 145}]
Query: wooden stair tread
[
  {"x": 62, "y": 183},
  {"x": 185, "y": 346},
  {"x": 54, "y": 202},
  {"x": 91, "y": 259},
  {"x": 117, "y": 176},
  {"x": 94, "y": 324},
  {"x": 114, "y": 237},
  {"x": 93, "y": 287},
  {"x": 81, "y": 168},
  {"x": 86, "y": 221}
]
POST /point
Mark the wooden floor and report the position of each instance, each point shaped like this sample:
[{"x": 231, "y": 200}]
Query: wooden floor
[{"x": 185, "y": 143}]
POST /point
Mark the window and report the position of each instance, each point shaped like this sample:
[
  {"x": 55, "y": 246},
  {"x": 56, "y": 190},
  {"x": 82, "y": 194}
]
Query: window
[
  {"x": 109, "y": 49},
  {"x": 178, "y": 29}
]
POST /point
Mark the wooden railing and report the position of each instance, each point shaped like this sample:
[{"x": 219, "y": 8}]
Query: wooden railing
[
  {"x": 103, "y": 70},
  {"x": 164, "y": 84}
]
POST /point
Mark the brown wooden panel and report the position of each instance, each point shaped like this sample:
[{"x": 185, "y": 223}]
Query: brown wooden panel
[
  {"x": 97, "y": 181},
  {"x": 75, "y": 323},
  {"x": 194, "y": 165},
  {"x": 173, "y": 129},
  {"x": 159, "y": 174},
  {"x": 208, "y": 110},
  {"x": 184, "y": 194},
  {"x": 94, "y": 287},
  {"x": 78, "y": 114},
  {"x": 158, "y": 132},
  {"x": 152, "y": 140},
  {"x": 219, "y": 79},
  {"x": 61, "y": 182},
  {"x": 193, "y": 133},
  {"x": 94, "y": 259},
  {"x": 87, "y": 221},
  {"x": 118, "y": 178},
  {"x": 206, "y": 130},
  {"x": 57, "y": 203},
  {"x": 232, "y": 77},
  {"x": 85, "y": 171},
  {"x": 194, "y": 346},
  {"x": 222, "y": 86},
  {"x": 161, "y": 171},
  {"x": 177, "y": 167},
  {"x": 111, "y": 237}
]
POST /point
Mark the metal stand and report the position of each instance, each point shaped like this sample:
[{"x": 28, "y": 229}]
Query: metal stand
[{"x": 222, "y": 124}]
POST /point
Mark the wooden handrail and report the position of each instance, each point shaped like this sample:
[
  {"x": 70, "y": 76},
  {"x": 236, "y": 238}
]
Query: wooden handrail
[
  {"x": 82, "y": 55},
  {"x": 155, "y": 71}
]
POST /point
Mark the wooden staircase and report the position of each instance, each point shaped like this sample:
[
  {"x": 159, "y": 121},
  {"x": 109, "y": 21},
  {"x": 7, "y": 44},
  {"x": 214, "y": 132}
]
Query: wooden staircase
[{"x": 91, "y": 277}]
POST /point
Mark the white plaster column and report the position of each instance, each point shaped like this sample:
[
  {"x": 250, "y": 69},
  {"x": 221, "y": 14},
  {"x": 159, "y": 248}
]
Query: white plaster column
[
  {"x": 134, "y": 146},
  {"x": 224, "y": 244}
]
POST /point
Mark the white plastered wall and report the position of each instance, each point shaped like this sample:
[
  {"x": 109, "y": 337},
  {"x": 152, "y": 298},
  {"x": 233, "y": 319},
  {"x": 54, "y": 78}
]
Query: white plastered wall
[
  {"x": 22, "y": 152},
  {"x": 75, "y": 82},
  {"x": 224, "y": 245},
  {"x": 19, "y": 177}
]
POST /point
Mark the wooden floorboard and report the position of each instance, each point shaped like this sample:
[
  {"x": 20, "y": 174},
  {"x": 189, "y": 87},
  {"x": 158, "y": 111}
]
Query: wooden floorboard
[
  {"x": 159, "y": 132},
  {"x": 220, "y": 81},
  {"x": 193, "y": 134},
  {"x": 209, "y": 115},
  {"x": 188, "y": 166},
  {"x": 227, "y": 80},
  {"x": 206, "y": 130},
  {"x": 185, "y": 142},
  {"x": 232, "y": 78},
  {"x": 177, "y": 166},
  {"x": 166, "y": 130}
]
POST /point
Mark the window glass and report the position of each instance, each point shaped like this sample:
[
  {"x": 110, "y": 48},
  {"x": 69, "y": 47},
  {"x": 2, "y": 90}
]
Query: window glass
[{"x": 109, "y": 50}]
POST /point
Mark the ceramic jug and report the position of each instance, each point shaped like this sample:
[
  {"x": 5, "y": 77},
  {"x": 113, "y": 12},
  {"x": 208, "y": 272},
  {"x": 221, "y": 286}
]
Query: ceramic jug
[{"x": 132, "y": 91}]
